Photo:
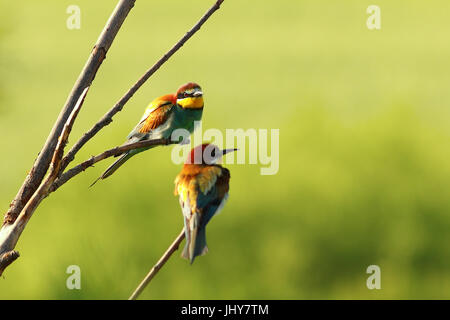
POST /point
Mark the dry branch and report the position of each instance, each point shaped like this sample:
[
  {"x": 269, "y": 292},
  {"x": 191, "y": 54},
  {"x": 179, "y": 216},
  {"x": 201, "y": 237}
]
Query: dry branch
[{"x": 161, "y": 262}]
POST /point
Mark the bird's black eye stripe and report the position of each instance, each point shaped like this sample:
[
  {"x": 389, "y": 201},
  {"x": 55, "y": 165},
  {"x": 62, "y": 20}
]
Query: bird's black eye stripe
[{"x": 185, "y": 95}]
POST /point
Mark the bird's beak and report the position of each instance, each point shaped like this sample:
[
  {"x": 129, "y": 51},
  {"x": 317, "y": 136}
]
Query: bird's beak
[
  {"x": 198, "y": 94},
  {"x": 225, "y": 151}
]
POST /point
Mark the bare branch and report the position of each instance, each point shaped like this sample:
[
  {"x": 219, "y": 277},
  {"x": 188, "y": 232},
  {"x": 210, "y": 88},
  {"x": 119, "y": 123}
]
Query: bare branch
[
  {"x": 173, "y": 247},
  {"x": 62, "y": 141},
  {"x": 98, "y": 54},
  {"x": 7, "y": 258},
  {"x": 107, "y": 118},
  {"x": 69, "y": 174}
]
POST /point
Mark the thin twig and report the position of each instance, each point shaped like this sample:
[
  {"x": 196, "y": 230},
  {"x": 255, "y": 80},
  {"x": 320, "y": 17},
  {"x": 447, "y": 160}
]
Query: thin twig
[
  {"x": 69, "y": 174},
  {"x": 173, "y": 247},
  {"x": 98, "y": 54},
  {"x": 107, "y": 118},
  {"x": 10, "y": 234}
]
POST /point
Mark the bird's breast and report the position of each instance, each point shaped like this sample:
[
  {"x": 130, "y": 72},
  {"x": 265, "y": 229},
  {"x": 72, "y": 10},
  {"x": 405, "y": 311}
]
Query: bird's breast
[{"x": 185, "y": 118}]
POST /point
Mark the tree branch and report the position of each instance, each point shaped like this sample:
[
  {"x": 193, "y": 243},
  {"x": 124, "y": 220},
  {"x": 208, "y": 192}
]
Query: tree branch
[
  {"x": 69, "y": 174},
  {"x": 173, "y": 247},
  {"x": 107, "y": 118},
  {"x": 98, "y": 54}
]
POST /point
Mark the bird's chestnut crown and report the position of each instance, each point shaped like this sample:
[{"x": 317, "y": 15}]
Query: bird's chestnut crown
[
  {"x": 190, "y": 96},
  {"x": 206, "y": 154}
]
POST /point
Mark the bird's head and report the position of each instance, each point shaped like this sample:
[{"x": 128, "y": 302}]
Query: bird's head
[
  {"x": 206, "y": 154},
  {"x": 190, "y": 96}
]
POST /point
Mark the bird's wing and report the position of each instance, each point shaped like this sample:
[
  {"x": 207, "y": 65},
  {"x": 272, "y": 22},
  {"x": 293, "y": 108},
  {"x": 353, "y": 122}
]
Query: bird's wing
[
  {"x": 213, "y": 195},
  {"x": 204, "y": 191},
  {"x": 152, "y": 119},
  {"x": 186, "y": 188},
  {"x": 182, "y": 189},
  {"x": 197, "y": 184}
]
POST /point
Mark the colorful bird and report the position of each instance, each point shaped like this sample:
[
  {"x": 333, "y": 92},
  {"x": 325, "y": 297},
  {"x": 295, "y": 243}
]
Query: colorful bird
[
  {"x": 202, "y": 186},
  {"x": 164, "y": 115}
]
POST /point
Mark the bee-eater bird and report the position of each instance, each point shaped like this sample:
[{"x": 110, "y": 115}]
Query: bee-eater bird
[
  {"x": 164, "y": 115},
  {"x": 202, "y": 187}
]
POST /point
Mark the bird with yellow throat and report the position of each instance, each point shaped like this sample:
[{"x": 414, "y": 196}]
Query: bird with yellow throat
[{"x": 164, "y": 115}]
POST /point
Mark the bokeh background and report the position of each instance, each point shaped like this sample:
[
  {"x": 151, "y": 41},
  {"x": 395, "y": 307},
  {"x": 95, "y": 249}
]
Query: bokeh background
[{"x": 364, "y": 149}]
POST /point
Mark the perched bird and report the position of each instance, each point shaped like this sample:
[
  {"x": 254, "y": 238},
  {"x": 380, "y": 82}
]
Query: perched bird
[
  {"x": 202, "y": 187},
  {"x": 164, "y": 115}
]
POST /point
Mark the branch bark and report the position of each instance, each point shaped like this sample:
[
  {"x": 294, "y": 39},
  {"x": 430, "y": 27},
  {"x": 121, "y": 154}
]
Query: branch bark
[
  {"x": 69, "y": 174},
  {"x": 161, "y": 262},
  {"x": 98, "y": 54}
]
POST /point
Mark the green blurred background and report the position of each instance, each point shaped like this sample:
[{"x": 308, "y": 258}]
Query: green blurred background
[{"x": 364, "y": 149}]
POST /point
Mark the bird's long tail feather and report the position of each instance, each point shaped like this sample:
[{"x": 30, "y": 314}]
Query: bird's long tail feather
[
  {"x": 112, "y": 168},
  {"x": 195, "y": 239}
]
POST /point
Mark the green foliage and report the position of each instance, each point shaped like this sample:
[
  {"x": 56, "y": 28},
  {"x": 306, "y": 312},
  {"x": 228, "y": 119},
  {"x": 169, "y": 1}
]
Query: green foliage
[{"x": 364, "y": 150}]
